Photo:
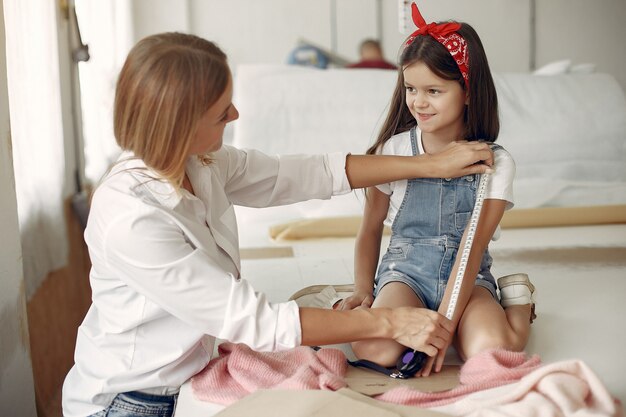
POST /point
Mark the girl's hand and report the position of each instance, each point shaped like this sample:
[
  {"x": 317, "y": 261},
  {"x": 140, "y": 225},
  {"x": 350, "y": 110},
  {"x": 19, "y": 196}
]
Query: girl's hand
[
  {"x": 421, "y": 329},
  {"x": 357, "y": 299}
]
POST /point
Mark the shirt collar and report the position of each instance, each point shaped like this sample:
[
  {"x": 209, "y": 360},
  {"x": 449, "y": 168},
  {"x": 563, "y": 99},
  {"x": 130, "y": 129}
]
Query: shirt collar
[{"x": 148, "y": 184}]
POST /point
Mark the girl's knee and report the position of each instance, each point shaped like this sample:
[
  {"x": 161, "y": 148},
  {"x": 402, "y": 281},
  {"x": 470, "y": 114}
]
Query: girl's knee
[
  {"x": 486, "y": 340},
  {"x": 382, "y": 352}
]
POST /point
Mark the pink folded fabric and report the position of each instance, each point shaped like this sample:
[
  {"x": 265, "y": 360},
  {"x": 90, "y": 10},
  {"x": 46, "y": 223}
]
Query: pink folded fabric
[
  {"x": 561, "y": 389},
  {"x": 239, "y": 371},
  {"x": 498, "y": 383},
  {"x": 488, "y": 369}
]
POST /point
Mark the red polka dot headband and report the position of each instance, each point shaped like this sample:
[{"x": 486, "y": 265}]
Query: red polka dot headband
[{"x": 446, "y": 34}]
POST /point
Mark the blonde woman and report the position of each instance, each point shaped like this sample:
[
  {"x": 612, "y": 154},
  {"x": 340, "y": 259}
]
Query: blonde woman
[{"x": 162, "y": 237}]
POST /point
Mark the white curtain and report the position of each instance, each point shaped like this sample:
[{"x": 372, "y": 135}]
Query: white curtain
[
  {"x": 106, "y": 27},
  {"x": 37, "y": 135}
]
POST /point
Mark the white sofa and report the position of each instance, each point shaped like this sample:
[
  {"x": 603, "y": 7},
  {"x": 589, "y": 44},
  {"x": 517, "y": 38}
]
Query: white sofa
[{"x": 566, "y": 132}]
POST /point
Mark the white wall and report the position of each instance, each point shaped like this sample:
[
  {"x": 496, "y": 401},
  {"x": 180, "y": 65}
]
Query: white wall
[
  {"x": 265, "y": 32},
  {"x": 261, "y": 31},
  {"x": 506, "y": 41},
  {"x": 584, "y": 31},
  {"x": 17, "y": 395},
  {"x": 252, "y": 31},
  {"x": 153, "y": 16}
]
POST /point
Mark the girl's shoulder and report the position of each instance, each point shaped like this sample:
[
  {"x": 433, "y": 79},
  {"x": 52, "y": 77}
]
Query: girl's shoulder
[
  {"x": 496, "y": 147},
  {"x": 504, "y": 163},
  {"x": 501, "y": 155},
  {"x": 398, "y": 144}
]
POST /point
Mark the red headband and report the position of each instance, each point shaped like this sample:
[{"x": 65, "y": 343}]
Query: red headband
[{"x": 446, "y": 34}]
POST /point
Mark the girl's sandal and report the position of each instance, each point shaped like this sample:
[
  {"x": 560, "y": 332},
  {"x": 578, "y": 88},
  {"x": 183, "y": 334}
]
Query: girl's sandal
[{"x": 516, "y": 289}]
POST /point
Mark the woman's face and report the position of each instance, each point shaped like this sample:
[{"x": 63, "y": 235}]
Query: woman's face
[
  {"x": 438, "y": 105},
  {"x": 210, "y": 128}
]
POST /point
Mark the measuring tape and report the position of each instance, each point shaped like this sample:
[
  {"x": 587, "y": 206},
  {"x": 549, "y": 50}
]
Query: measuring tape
[
  {"x": 411, "y": 361},
  {"x": 471, "y": 231}
]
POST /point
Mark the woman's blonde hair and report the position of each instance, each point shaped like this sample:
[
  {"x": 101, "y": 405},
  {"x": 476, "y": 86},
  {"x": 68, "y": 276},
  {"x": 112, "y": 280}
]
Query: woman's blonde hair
[{"x": 167, "y": 83}]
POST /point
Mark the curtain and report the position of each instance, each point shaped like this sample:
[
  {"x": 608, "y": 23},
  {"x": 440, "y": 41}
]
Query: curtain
[
  {"x": 37, "y": 135},
  {"x": 106, "y": 27}
]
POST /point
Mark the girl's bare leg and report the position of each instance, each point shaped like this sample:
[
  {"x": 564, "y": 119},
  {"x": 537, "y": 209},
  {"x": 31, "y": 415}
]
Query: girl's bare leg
[
  {"x": 485, "y": 324},
  {"x": 383, "y": 351}
]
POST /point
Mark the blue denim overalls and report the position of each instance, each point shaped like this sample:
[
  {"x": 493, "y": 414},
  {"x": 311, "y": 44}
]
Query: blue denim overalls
[{"x": 426, "y": 234}]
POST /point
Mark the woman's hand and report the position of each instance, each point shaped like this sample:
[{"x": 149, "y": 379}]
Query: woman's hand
[
  {"x": 434, "y": 363},
  {"x": 421, "y": 329},
  {"x": 418, "y": 328},
  {"x": 463, "y": 158},
  {"x": 357, "y": 299}
]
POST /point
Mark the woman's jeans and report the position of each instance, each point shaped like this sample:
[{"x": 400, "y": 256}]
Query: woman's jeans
[{"x": 139, "y": 404}]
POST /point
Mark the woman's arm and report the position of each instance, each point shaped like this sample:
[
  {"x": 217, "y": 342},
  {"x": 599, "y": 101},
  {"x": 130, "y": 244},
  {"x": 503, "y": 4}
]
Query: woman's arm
[
  {"x": 367, "y": 249},
  {"x": 457, "y": 159},
  {"x": 419, "y": 328},
  {"x": 490, "y": 217},
  {"x": 150, "y": 254},
  {"x": 253, "y": 179}
]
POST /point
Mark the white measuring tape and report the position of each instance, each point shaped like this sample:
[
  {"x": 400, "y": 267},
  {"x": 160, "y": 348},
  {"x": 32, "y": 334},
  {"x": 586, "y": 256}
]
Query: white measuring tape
[{"x": 467, "y": 247}]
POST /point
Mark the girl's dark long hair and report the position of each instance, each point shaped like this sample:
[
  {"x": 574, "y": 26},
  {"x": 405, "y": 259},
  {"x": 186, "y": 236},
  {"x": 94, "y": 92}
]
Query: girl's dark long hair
[{"x": 481, "y": 113}]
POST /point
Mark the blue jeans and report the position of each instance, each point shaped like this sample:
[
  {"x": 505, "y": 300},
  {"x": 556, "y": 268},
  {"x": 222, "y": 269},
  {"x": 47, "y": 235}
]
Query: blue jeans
[{"x": 139, "y": 404}]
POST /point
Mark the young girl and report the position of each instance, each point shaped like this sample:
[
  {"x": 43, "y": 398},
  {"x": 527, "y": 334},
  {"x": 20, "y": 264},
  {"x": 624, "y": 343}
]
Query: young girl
[{"x": 444, "y": 93}]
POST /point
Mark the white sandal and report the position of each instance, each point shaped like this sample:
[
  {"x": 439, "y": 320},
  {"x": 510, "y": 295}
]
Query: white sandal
[
  {"x": 516, "y": 289},
  {"x": 322, "y": 296}
]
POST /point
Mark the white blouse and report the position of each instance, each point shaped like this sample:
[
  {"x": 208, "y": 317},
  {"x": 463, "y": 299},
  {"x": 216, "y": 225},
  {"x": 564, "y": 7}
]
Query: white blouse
[{"x": 165, "y": 273}]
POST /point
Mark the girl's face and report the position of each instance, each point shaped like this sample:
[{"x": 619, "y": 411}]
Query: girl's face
[
  {"x": 437, "y": 105},
  {"x": 210, "y": 128}
]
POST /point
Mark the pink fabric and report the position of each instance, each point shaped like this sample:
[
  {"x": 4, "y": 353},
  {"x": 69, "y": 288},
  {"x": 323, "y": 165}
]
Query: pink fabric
[
  {"x": 494, "y": 383},
  {"x": 488, "y": 369},
  {"x": 523, "y": 387},
  {"x": 239, "y": 371},
  {"x": 561, "y": 389}
]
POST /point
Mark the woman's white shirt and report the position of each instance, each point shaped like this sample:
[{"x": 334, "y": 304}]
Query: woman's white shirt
[
  {"x": 500, "y": 185},
  {"x": 166, "y": 271}
]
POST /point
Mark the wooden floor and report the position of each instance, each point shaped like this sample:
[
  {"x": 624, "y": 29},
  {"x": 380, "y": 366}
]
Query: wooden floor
[{"x": 54, "y": 313}]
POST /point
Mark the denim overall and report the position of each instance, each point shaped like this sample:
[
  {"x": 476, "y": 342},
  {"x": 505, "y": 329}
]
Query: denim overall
[{"x": 426, "y": 234}]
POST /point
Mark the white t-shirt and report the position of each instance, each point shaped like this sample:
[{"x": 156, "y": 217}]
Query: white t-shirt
[{"x": 500, "y": 186}]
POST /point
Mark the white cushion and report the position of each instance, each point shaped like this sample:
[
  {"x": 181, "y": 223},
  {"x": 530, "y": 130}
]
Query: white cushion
[{"x": 553, "y": 68}]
